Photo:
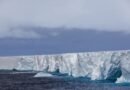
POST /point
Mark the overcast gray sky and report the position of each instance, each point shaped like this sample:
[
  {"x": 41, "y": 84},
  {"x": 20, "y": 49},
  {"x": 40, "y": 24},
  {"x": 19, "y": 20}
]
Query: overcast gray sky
[
  {"x": 107, "y": 15},
  {"x": 62, "y": 26}
]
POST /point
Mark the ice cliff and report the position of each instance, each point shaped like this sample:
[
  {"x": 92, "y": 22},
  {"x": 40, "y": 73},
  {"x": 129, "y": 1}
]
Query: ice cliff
[{"x": 109, "y": 65}]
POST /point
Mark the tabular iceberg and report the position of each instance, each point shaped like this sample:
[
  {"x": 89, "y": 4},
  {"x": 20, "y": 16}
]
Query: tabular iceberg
[{"x": 95, "y": 65}]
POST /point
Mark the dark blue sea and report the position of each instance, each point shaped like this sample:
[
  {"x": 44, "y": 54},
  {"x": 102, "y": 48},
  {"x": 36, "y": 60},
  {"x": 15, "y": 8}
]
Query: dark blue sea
[{"x": 26, "y": 81}]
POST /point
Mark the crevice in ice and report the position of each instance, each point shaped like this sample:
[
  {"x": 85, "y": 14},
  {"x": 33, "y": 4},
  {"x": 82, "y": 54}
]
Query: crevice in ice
[{"x": 114, "y": 75}]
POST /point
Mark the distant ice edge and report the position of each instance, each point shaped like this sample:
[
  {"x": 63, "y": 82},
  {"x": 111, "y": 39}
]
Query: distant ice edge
[{"x": 111, "y": 65}]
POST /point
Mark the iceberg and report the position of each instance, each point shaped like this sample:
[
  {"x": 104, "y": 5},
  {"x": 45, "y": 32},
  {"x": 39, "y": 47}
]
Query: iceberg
[
  {"x": 105, "y": 65},
  {"x": 42, "y": 74}
]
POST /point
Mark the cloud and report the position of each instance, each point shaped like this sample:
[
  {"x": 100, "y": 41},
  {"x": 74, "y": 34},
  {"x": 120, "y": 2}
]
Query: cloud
[
  {"x": 109, "y": 15},
  {"x": 19, "y": 33}
]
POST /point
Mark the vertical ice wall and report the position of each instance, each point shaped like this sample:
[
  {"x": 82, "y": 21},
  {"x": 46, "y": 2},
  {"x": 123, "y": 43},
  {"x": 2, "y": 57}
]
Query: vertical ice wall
[{"x": 95, "y": 65}]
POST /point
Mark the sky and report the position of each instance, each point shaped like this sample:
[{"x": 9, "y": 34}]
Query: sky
[{"x": 44, "y": 19}]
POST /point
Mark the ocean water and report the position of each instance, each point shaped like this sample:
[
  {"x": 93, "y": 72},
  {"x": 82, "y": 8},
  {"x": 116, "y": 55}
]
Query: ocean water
[{"x": 27, "y": 81}]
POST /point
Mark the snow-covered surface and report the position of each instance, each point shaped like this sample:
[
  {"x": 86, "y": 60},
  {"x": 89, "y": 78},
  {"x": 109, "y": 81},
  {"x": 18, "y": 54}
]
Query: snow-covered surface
[
  {"x": 95, "y": 65},
  {"x": 8, "y": 62},
  {"x": 42, "y": 74}
]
